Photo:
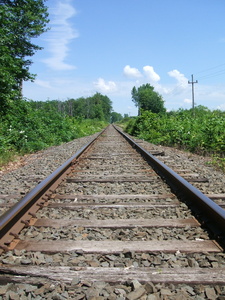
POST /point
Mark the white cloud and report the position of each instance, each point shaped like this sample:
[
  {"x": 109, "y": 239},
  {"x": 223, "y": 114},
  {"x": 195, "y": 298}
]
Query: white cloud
[
  {"x": 181, "y": 79},
  {"x": 105, "y": 87},
  {"x": 151, "y": 74},
  {"x": 43, "y": 83},
  {"x": 60, "y": 35},
  {"x": 131, "y": 72},
  {"x": 187, "y": 101}
]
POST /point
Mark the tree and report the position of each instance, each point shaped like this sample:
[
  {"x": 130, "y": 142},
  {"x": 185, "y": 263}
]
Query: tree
[
  {"x": 102, "y": 103},
  {"x": 97, "y": 106},
  {"x": 21, "y": 20},
  {"x": 116, "y": 117},
  {"x": 145, "y": 98}
]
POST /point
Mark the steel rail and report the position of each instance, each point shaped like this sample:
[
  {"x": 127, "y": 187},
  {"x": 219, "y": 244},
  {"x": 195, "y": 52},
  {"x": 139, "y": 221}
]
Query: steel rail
[
  {"x": 36, "y": 197},
  {"x": 210, "y": 212}
]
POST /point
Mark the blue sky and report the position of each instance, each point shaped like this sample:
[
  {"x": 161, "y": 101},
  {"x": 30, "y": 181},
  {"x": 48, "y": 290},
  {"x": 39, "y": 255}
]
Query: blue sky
[{"x": 109, "y": 46}]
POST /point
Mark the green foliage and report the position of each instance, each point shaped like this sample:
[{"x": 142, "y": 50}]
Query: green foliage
[
  {"x": 95, "y": 107},
  {"x": 218, "y": 162},
  {"x": 25, "y": 129},
  {"x": 145, "y": 98},
  {"x": 126, "y": 122},
  {"x": 116, "y": 117},
  {"x": 202, "y": 134},
  {"x": 21, "y": 20}
]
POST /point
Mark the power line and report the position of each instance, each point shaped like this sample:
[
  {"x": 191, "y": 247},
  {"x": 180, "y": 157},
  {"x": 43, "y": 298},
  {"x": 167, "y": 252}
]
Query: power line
[
  {"x": 210, "y": 74},
  {"x": 203, "y": 71},
  {"x": 218, "y": 73}
]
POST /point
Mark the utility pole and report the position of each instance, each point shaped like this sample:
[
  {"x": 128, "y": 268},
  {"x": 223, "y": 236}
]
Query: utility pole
[{"x": 192, "y": 82}]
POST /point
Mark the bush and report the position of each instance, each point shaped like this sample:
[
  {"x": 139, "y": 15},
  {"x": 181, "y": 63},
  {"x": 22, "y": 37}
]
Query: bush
[
  {"x": 25, "y": 129},
  {"x": 201, "y": 134}
]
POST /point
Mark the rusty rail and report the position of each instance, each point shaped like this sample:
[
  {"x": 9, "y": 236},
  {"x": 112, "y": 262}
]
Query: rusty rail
[
  {"x": 210, "y": 212},
  {"x": 19, "y": 215}
]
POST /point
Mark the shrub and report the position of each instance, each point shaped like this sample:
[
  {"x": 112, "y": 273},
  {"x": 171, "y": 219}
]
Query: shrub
[
  {"x": 25, "y": 129},
  {"x": 202, "y": 134}
]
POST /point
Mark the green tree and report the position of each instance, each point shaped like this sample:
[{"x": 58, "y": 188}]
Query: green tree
[
  {"x": 97, "y": 106},
  {"x": 102, "y": 107},
  {"x": 145, "y": 98},
  {"x": 21, "y": 20},
  {"x": 116, "y": 117}
]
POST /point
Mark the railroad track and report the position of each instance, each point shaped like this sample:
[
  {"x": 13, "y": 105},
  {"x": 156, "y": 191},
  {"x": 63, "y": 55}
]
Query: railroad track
[{"x": 105, "y": 225}]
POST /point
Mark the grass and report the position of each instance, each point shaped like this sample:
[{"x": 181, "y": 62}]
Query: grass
[{"x": 6, "y": 157}]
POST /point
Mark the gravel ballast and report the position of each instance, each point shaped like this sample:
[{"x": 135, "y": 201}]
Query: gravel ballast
[{"x": 15, "y": 184}]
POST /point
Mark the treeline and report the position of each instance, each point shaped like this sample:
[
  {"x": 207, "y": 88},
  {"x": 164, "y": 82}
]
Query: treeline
[
  {"x": 27, "y": 126},
  {"x": 97, "y": 106}
]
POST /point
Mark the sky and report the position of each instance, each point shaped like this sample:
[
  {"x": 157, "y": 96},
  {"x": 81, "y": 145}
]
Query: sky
[{"x": 110, "y": 46}]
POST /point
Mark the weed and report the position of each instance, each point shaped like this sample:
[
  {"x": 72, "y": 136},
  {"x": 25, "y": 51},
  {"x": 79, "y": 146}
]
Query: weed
[{"x": 203, "y": 134}]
